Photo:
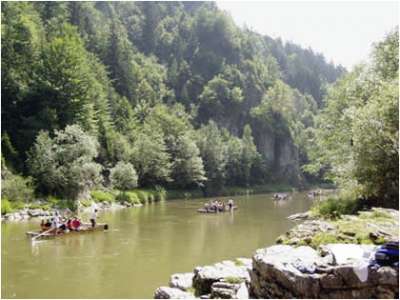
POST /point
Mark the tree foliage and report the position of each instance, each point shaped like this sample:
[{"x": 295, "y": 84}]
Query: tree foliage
[
  {"x": 356, "y": 139},
  {"x": 64, "y": 165},
  {"x": 175, "y": 89},
  {"x": 123, "y": 176}
]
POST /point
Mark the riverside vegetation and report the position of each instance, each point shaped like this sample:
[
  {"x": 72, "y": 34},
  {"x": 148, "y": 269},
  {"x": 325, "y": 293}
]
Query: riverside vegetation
[
  {"x": 174, "y": 95},
  {"x": 135, "y": 102}
]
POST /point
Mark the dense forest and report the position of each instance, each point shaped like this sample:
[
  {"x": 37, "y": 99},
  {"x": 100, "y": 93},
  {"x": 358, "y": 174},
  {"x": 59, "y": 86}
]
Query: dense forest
[{"x": 174, "y": 94}]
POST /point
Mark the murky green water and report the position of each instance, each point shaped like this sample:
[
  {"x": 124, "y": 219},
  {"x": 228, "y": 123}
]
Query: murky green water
[{"x": 143, "y": 247}]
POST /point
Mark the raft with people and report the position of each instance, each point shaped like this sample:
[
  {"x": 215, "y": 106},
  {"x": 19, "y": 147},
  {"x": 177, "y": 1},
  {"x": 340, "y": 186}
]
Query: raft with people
[
  {"x": 85, "y": 227},
  {"x": 215, "y": 206},
  {"x": 60, "y": 226}
]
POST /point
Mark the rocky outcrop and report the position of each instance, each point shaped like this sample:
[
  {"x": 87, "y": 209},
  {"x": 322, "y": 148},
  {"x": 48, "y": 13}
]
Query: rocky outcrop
[
  {"x": 378, "y": 225},
  {"x": 283, "y": 271},
  {"x": 226, "y": 271},
  {"x": 302, "y": 234},
  {"x": 225, "y": 280},
  {"x": 341, "y": 271}
]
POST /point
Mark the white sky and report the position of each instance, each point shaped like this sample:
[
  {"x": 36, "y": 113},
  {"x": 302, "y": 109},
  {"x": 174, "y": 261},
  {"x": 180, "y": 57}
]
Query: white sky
[{"x": 342, "y": 31}]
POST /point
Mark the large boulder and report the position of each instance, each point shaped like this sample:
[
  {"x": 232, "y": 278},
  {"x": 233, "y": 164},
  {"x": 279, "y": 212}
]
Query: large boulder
[
  {"x": 165, "y": 292},
  {"x": 285, "y": 272},
  {"x": 226, "y": 271},
  {"x": 183, "y": 281},
  {"x": 336, "y": 271}
]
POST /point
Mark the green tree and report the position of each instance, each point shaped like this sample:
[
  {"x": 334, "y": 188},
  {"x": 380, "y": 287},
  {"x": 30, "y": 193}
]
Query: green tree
[
  {"x": 64, "y": 165},
  {"x": 356, "y": 139},
  {"x": 123, "y": 176}
]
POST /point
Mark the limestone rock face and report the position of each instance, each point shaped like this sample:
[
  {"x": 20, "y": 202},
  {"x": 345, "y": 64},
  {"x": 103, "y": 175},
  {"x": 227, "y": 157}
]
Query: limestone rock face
[
  {"x": 165, "y": 292},
  {"x": 181, "y": 281},
  {"x": 342, "y": 271}
]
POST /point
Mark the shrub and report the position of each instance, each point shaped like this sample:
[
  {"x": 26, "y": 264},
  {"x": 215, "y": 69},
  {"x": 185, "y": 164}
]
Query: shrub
[
  {"x": 101, "y": 196},
  {"x": 5, "y": 206},
  {"x": 143, "y": 196},
  {"x": 334, "y": 207},
  {"x": 160, "y": 194},
  {"x": 123, "y": 176},
  {"x": 130, "y": 197},
  {"x": 17, "y": 188}
]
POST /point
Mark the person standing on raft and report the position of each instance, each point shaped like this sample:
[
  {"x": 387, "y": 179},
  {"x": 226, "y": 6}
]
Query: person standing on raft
[
  {"x": 230, "y": 204},
  {"x": 93, "y": 218}
]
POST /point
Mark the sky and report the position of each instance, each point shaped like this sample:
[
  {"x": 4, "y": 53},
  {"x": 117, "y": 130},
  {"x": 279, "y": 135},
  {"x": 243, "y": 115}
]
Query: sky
[{"x": 342, "y": 31}]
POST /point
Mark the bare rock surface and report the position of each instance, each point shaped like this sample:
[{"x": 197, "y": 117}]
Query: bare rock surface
[
  {"x": 341, "y": 271},
  {"x": 165, "y": 292},
  {"x": 183, "y": 281}
]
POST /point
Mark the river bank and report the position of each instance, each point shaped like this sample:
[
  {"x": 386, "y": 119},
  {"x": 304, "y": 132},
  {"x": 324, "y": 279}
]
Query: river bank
[
  {"x": 310, "y": 267},
  {"x": 105, "y": 199}
]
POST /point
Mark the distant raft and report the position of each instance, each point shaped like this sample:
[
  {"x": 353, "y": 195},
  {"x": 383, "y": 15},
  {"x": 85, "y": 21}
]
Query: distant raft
[
  {"x": 85, "y": 228},
  {"x": 213, "y": 211}
]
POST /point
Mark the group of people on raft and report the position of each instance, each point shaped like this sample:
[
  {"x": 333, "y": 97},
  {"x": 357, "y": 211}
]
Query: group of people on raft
[
  {"x": 59, "y": 224},
  {"x": 218, "y": 206}
]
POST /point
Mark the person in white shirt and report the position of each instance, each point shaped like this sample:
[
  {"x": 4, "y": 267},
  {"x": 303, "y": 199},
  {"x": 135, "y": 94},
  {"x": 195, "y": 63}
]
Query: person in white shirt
[{"x": 93, "y": 218}]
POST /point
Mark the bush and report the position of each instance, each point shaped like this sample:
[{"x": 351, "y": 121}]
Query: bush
[
  {"x": 123, "y": 176},
  {"x": 334, "y": 207},
  {"x": 160, "y": 193},
  {"x": 5, "y": 206},
  {"x": 130, "y": 197},
  {"x": 143, "y": 196},
  {"x": 102, "y": 196},
  {"x": 17, "y": 188}
]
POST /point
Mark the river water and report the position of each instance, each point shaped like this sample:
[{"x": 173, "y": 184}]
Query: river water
[{"x": 143, "y": 247}]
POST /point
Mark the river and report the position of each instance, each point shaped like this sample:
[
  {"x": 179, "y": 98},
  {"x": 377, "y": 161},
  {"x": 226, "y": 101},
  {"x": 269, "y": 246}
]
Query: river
[{"x": 143, "y": 247}]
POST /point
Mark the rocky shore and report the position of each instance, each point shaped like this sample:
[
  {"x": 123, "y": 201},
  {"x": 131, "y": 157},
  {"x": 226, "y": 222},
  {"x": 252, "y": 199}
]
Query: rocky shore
[
  {"x": 28, "y": 213},
  {"x": 302, "y": 268},
  {"x": 282, "y": 271},
  {"x": 375, "y": 226}
]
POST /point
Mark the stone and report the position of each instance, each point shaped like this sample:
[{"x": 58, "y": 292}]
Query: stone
[
  {"x": 205, "y": 276},
  {"x": 165, "y": 292},
  {"x": 299, "y": 216},
  {"x": 35, "y": 212},
  {"x": 226, "y": 290},
  {"x": 182, "y": 281}
]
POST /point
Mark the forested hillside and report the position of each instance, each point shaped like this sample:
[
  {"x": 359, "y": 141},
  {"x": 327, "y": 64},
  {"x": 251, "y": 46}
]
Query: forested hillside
[{"x": 171, "y": 93}]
